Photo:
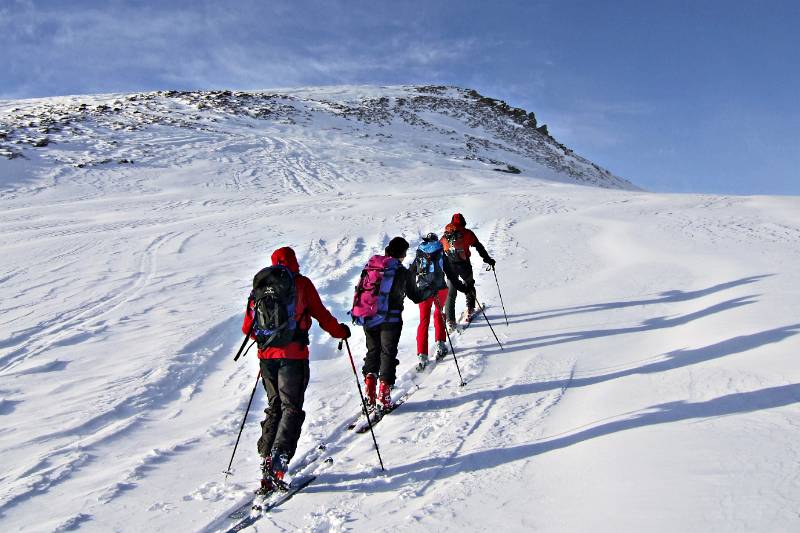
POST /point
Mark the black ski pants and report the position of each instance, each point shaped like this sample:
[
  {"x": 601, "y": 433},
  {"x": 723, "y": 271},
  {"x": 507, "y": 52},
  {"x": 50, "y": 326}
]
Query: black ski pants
[
  {"x": 462, "y": 269},
  {"x": 381, "y": 356},
  {"x": 285, "y": 381}
]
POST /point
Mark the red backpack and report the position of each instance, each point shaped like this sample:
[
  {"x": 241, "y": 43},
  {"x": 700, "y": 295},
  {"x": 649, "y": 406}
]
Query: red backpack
[{"x": 454, "y": 243}]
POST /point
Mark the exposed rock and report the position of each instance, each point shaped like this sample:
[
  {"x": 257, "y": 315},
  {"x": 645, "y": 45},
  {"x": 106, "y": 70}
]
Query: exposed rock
[{"x": 491, "y": 130}]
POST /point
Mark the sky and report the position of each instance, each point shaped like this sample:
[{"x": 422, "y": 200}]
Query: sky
[{"x": 676, "y": 96}]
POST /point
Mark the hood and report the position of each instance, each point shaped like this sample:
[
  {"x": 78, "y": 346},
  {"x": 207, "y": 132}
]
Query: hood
[
  {"x": 285, "y": 256},
  {"x": 459, "y": 220}
]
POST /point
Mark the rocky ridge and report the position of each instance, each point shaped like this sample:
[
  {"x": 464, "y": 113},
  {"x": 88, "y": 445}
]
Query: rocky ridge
[{"x": 490, "y": 132}]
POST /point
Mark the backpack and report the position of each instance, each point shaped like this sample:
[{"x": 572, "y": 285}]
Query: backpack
[
  {"x": 371, "y": 300},
  {"x": 455, "y": 248},
  {"x": 429, "y": 265},
  {"x": 273, "y": 297}
]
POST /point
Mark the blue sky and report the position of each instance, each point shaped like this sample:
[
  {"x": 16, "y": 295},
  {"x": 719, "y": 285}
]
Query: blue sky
[{"x": 682, "y": 96}]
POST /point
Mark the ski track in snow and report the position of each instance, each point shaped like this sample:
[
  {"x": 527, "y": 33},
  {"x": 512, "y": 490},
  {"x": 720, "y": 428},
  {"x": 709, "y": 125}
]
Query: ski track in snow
[{"x": 635, "y": 321}]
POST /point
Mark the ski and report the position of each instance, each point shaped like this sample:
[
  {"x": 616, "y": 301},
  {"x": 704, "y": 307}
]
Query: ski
[
  {"x": 272, "y": 501},
  {"x": 352, "y": 425},
  {"x": 245, "y": 507},
  {"x": 378, "y": 414},
  {"x": 414, "y": 376},
  {"x": 463, "y": 323}
]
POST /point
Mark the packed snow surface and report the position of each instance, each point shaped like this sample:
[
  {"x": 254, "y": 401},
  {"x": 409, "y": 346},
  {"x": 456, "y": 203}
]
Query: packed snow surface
[{"x": 647, "y": 380}]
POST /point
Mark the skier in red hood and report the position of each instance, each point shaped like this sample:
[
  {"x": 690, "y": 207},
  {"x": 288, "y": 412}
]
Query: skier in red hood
[
  {"x": 282, "y": 304},
  {"x": 457, "y": 240}
]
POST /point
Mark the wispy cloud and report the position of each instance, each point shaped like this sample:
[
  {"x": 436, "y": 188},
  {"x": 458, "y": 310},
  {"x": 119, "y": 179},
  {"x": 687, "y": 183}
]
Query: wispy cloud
[{"x": 135, "y": 46}]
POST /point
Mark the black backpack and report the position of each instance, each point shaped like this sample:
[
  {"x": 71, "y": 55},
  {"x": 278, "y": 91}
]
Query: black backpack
[
  {"x": 274, "y": 296},
  {"x": 429, "y": 266}
]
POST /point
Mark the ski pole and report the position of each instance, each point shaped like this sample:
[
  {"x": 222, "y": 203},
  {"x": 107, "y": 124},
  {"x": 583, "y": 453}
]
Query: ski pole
[
  {"x": 363, "y": 401},
  {"x": 228, "y": 471},
  {"x": 490, "y": 324},
  {"x": 498, "y": 292},
  {"x": 441, "y": 313}
]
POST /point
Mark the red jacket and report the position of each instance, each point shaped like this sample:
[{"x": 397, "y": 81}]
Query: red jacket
[
  {"x": 307, "y": 306},
  {"x": 467, "y": 239}
]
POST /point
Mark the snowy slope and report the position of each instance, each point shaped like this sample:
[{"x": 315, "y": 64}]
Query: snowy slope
[{"x": 648, "y": 377}]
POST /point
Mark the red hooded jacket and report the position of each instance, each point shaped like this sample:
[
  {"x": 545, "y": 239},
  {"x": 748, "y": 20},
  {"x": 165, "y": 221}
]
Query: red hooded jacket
[
  {"x": 468, "y": 238},
  {"x": 307, "y": 306}
]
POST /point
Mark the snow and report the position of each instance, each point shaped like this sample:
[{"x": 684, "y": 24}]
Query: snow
[{"x": 647, "y": 378}]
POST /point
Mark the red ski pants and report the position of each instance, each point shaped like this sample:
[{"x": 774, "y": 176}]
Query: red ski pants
[{"x": 425, "y": 320}]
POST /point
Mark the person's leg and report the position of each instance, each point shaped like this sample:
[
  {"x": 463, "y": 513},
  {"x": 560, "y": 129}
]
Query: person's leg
[
  {"x": 372, "y": 363},
  {"x": 466, "y": 275},
  {"x": 390, "y": 338},
  {"x": 293, "y": 377},
  {"x": 450, "y": 303},
  {"x": 269, "y": 426},
  {"x": 372, "y": 360},
  {"x": 424, "y": 323},
  {"x": 438, "y": 319}
]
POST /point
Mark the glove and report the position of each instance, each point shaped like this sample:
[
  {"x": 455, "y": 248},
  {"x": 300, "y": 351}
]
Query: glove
[
  {"x": 346, "y": 329},
  {"x": 460, "y": 287},
  {"x": 491, "y": 262}
]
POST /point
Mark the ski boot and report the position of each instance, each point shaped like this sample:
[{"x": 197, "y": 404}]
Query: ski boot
[
  {"x": 470, "y": 315},
  {"x": 385, "y": 397},
  {"x": 441, "y": 350},
  {"x": 451, "y": 326},
  {"x": 370, "y": 383},
  {"x": 423, "y": 362},
  {"x": 278, "y": 466},
  {"x": 267, "y": 487}
]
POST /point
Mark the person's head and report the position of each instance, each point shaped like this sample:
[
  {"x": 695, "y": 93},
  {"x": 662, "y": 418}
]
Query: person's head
[
  {"x": 459, "y": 220},
  {"x": 397, "y": 248},
  {"x": 430, "y": 237},
  {"x": 285, "y": 256}
]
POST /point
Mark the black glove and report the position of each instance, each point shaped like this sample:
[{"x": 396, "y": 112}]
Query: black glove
[
  {"x": 460, "y": 287},
  {"x": 491, "y": 262},
  {"x": 346, "y": 331}
]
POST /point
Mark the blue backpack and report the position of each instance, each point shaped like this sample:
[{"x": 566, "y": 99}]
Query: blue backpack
[{"x": 429, "y": 265}]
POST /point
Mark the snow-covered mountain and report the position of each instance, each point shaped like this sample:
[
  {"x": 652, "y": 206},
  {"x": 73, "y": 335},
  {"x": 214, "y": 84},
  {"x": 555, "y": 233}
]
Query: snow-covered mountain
[
  {"x": 647, "y": 379},
  {"x": 451, "y": 128}
]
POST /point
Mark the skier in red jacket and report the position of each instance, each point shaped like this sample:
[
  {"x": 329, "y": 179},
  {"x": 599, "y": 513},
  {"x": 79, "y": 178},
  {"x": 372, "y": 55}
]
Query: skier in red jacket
[
  {"x": 285, "y": 372},
  {"x": 457, "y": 240}
]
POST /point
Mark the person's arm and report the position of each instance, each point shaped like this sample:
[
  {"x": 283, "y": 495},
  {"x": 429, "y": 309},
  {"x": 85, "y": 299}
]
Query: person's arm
[
  {"x": 318, "y": 311},
  {"x": 482, "y": 251},
  {"x": 249, "y": 316}
]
